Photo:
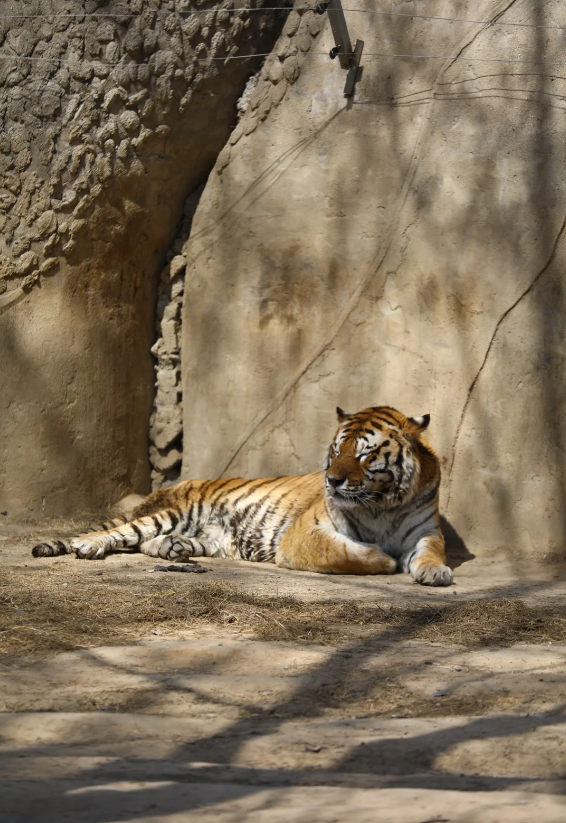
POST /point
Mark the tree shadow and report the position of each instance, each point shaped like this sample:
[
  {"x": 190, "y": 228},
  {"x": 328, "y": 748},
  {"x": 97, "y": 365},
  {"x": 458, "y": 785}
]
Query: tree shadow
[{"x": 210, "y": 768}]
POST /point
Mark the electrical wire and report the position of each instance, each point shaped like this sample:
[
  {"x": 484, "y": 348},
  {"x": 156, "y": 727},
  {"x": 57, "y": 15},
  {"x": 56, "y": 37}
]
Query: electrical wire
[
  {"x": 284, "y": 8},
  {"x": 143, "y": 14},
  {"x": 291, "y": 54}
]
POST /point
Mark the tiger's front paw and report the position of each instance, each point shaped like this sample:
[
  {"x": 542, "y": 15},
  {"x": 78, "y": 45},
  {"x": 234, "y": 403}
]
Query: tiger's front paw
[
  {"x": 88, "y": 549},
  {"x": 432, "y": 575}
]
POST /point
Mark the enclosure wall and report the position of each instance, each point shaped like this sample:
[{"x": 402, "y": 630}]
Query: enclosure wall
[
  {"x": 405, "y": 247},
  {"x": 110, "y": 115}
]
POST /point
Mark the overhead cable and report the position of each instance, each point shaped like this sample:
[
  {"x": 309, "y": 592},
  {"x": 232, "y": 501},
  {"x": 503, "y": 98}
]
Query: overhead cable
[
  {"x": 291, "y": 54},
  {"x": 105, "y": 15}
]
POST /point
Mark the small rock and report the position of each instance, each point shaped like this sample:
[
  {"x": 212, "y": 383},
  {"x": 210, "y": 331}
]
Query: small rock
[
  {"x": 122, "y": 150},
  {"x": 48, "y": 264},
  {"x": 442, "y": 693},
  {"x": 177, "y": 265},
  {"x": 292, "y": 24},
  {"x": 167, "y": 378},
  {"x": 165, "y": 462},
  {"x": 46, "y": 223},
  {"x": 26, "y": 262},
  {"x": 130, "y": 120},
  {"x": 114, "y": 96},
  {"x": 276, "y": 71},
  {"x": 167, "y": 427},
  {"x": 291, "y": 69},
  {"x": 309, "y": 748}
]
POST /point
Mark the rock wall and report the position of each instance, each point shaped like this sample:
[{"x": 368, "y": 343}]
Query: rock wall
[
  {"x": 166, "y": 422},
  {"x": 111, "y": 114},
  {"x": 406, "y": 247}
]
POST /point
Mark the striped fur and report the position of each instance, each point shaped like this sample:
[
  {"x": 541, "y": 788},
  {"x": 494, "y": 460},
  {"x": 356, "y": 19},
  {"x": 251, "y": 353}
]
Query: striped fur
[{"x": 373, "y": 510}]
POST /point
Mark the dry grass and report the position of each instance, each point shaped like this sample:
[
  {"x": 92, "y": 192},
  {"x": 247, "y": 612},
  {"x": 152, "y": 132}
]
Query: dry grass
[{"x": 48, "y": 612}]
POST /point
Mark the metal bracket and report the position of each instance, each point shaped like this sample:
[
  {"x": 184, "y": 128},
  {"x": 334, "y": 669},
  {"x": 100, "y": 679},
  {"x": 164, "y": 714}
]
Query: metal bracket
[
  {"x": 349, "y": 58},
  {"x": 353, "y": 70}
]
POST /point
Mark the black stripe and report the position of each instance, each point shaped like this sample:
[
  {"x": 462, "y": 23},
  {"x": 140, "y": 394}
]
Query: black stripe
[
  {"x": 283, "y": 525},
  {"x": 417, "y": 525},
  {"x": 353, "y": 526},
  {"x": 227, "y": 500},
  {"x": 205, "y": 487},
  {"x": 427, "y": 496},
  {"x": 218, "y": 491},
  {"x": 254, "y": 485},
  {"x": 196, "y": 520},
  {"x": 137, "y": 531},
  {"x": 190, "y": 513},
  {"x": 157, "y": 523},
  {"x": 246, "y": 520},
  {"x": 174, "y": 519},
  {"x": 327, "y": 510},
  {"x": 383, "y": 415}
]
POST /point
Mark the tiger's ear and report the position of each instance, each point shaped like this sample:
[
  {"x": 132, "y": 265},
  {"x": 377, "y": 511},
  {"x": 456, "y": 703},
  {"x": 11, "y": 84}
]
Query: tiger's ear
[
  {"x": 420, "y": 422},
  {"x": 342, "y": 415}
]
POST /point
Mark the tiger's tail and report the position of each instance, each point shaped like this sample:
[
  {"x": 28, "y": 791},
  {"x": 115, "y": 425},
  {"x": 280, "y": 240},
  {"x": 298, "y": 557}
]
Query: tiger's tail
[{"x": 127, "y": 535}]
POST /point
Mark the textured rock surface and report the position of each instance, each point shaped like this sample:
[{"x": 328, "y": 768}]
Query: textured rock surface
[
  {"x": 406, "y": 249},
  {"x": 166, "y": 422},
  {"x": 109, "y": 119}
]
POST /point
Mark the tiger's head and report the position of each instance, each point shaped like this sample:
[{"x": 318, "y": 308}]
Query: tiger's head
[{"x": 376, "y": 458}]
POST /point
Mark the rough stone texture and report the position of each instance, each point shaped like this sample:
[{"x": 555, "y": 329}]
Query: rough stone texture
[
  {"x": 166, "y": 422},
  {"x": 103, "y": 134},
  {"x": 405, "y": 248}
]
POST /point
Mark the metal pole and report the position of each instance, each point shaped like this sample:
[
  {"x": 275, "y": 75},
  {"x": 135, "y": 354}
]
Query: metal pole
[{"x": 340, "y": 32}]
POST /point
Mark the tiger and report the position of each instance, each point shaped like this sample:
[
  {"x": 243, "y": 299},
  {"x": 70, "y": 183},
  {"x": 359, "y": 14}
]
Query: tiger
[{"x": 373, "y": 509}]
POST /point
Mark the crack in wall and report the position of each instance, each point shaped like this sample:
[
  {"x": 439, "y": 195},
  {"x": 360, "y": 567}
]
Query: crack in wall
[
  {"x": 498, "y": 325},
  {"x": 166, "y": 422},
  {"x": 423, "y": 136}
]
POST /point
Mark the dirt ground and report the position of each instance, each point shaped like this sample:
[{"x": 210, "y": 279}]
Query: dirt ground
[{"x": 253, "y": 693}]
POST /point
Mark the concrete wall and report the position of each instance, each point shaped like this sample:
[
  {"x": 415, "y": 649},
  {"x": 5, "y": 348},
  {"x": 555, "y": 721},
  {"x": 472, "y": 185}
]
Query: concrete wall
[
  {"x": 103, "y": 134},
  {"x": 406, "y": 248}
]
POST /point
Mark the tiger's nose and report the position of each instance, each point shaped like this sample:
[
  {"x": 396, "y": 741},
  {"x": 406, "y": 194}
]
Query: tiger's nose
[{"x": 336, "y": 480}]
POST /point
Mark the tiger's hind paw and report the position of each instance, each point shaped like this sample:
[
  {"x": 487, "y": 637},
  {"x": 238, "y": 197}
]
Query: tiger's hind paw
[
  {"x": 173, "y": 547},
  {"x": 88, "y": 549},
  {"x": 433, "y": 575},
  {"x": 53, "y": 549},
  {"x": 178, "y": 547}
]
